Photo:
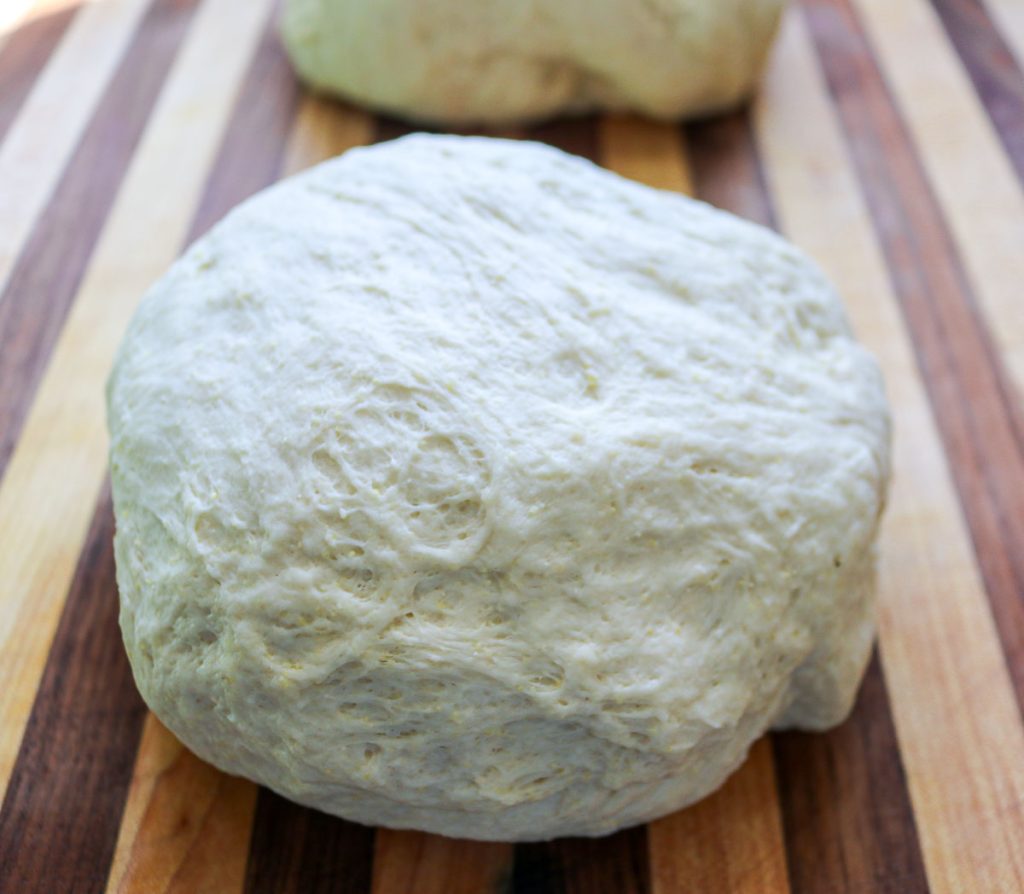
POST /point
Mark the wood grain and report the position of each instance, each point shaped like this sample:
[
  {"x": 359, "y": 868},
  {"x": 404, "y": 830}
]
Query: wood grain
[
  {"x": 993, "y": 69},
  {"x": 430, "y": 864},
  {"x": 296, "y": 850},
  {"x": 228, "y": 177},
  {"x": 865, "y": 149},
  {"x": 689, "y": 851},
  {"x": 1008, "y": 16},
  {"x": 645, "y": 151},
  {"x": 405, "y": 861},
  {"x": 729, "y": 174},
  {"x": 323, "y": 129},
  {"x": 79, "y": 742},
  {"x": 28, "y": 35},
  {"x": 55, "y": 472},
  {"x": 972, "y": 178},
  {"x": 266, "y": 106},
  {"x": 849, "y": 822},
  {"x": 38, "y": 144},
  {"x": 978, "y": 414},
  {"x": 616, "y": 864},
  {"x": 285, "y": 863},
  {"x": 186, "y": 825},
  {"x": 288, "y": 839},
  {"x": 576, "y": 135},
  {"x": 951, "y": 695},
  {"x": 49, "y": 269},
  {"x": 15, "y": 14},
  {"x": 731, "y": 841},
  {"x": 726, "y": 168}
]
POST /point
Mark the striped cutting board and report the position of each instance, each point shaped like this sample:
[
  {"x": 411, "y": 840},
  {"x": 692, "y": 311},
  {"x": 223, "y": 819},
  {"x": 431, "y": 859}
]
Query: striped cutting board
[{"x": 888, "y": 141}]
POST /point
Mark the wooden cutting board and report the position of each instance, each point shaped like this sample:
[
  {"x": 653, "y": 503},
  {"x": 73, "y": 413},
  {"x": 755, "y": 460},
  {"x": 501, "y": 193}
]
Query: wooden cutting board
[{"x": 888, "y": 141}]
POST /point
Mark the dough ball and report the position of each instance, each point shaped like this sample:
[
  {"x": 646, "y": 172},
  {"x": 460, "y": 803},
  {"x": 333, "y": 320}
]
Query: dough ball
[
  {"x": 464, "y": 486},
  {"x": 488, "y": 62}
]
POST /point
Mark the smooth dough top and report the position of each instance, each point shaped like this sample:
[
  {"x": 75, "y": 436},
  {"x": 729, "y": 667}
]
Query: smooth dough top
[
  {"x": 491, "y": 62},
  {"x": 464, "y": 486}
]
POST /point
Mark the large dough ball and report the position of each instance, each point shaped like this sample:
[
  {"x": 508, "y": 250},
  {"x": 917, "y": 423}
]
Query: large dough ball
[
  {"x": 464, "y": 486},
  {"x": 508, "y": 61}
]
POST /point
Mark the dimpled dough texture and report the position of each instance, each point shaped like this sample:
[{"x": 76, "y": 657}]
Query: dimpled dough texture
[
  {"x": 509, "y": 61},
  {"x": 464, "y": 486}
]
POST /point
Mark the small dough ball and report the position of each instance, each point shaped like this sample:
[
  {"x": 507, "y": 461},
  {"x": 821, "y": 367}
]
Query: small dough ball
[
  {"x": 464, "y": 486},
  {"x": 453, "y": 62}
]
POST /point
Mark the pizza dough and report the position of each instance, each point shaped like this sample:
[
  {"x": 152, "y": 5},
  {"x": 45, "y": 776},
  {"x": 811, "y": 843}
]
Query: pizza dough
[
  {"x": 464, "y": 486},
  {"x": 488, "y": 62}
]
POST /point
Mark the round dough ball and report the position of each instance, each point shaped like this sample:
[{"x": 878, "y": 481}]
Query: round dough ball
[
  {"x": 464, "y": 486},
  {"x": 487, "y": 62}
]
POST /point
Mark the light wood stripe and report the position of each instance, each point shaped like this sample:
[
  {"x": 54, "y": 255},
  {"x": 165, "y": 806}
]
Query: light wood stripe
[
  {"x": 705, "y": 845},
  {"x": 55, "y": 113},
  {"x": 731, "y": 841},
  {"x": 953, "y": 702},
  {"x": 430, "y": 864},
  {"x": 195, "y": 837},
  {"x": 54, "y": 475},
  {"x": 322, "y": 130},
  {"x": 973, "y": 179},
  {"x": 646, "y": 151}
]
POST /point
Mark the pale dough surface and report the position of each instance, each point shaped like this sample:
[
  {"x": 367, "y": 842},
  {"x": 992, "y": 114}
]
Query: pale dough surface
[
  {"x": 464, "y": 486},
  {"x": 508, "y": 61}
]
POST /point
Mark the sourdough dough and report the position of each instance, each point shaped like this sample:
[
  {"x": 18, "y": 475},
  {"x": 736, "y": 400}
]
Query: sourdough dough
[
  {"x": 489, "y": 62},
  {"x": 464, "y": 486}
]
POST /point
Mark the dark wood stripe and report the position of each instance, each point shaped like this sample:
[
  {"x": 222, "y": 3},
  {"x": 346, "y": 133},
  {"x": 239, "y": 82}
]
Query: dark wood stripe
[
  {"x": 49, "y": 270},
  {"x": 997, "y": 77},
  {"x": 252, "y": 150},
  {"x": 718, "y": 147},
  {"x": 24, "y": 56},
  {"x": 576, "y": 135},
  {"x": 848, "y": 822},
  {"x": 295, "y": 850},
  {"x": 978, "y": 413},
  {"x": 60, "y": 817},
  {"x": 847, "y": 817},
  {"x": 386, "y": 128},
  {"x": 617, "y": 864}
]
